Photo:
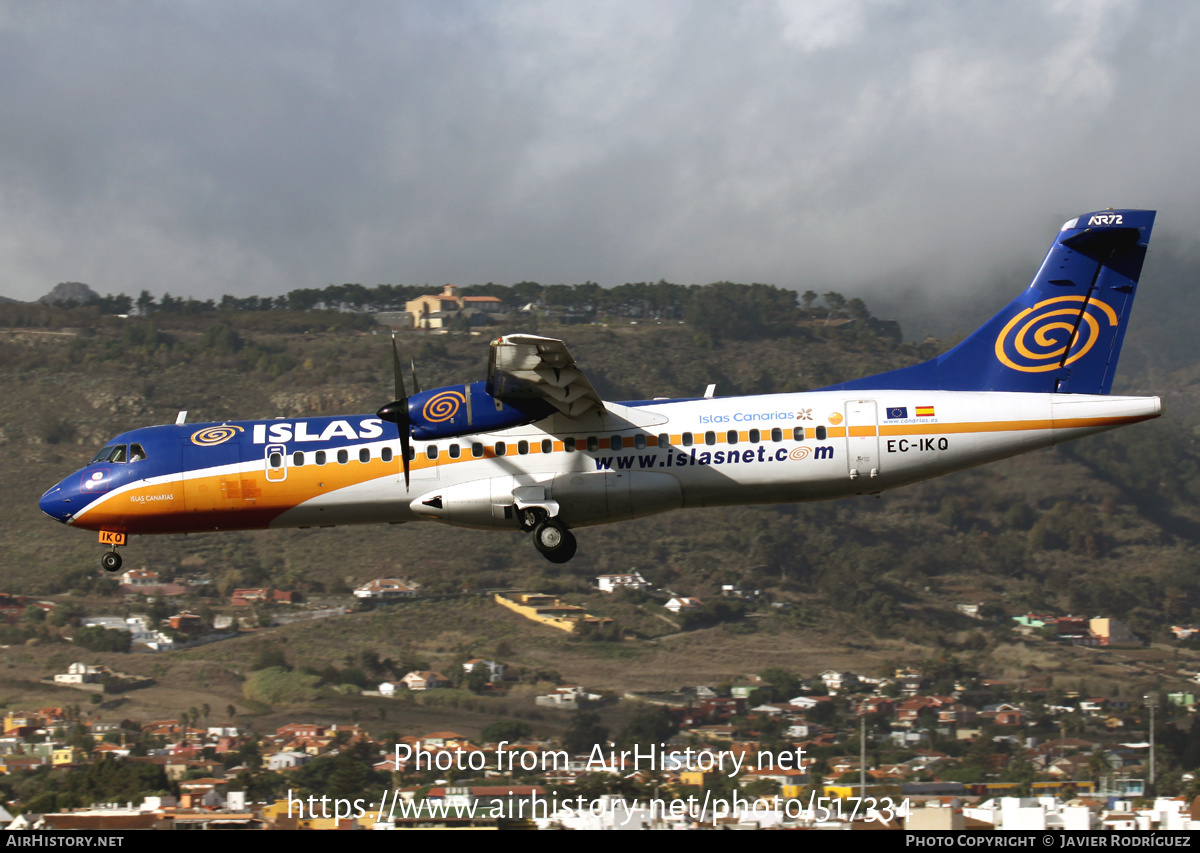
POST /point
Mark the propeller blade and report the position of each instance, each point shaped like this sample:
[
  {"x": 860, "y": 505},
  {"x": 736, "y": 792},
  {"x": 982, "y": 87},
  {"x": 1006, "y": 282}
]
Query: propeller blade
[
  {"x": 398, "y": 371},
  {"x": 397, "y": 411},
  {"x": 416, "y": 384}
]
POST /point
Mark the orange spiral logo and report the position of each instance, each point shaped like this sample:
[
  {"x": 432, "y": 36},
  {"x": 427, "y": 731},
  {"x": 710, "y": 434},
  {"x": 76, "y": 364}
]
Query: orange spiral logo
[
  {"x": 442, "y": 407},
  {"x": 209, "y": 436},
  {"x": 1053, "y": 333},
  {"x": 799, "y": 453}
]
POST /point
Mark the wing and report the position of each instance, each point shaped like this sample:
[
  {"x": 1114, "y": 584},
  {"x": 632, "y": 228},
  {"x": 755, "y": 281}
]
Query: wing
[{"x": 528, "y": 367}]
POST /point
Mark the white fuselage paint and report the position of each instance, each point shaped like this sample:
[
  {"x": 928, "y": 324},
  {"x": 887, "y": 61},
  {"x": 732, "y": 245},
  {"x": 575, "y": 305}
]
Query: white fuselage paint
[{"x": 863, "y": 452}]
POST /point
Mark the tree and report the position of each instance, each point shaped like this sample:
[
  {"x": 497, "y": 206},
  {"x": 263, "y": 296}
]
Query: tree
[
  {"x": 512, "y": 731},
  {"x": 97, "y": 639},
  {"x": 652, "y": 724},
  {"x": 584, "y": 733}
]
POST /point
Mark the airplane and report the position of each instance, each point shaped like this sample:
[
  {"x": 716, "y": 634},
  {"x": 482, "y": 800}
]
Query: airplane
[{"x": 534, "y": 448}]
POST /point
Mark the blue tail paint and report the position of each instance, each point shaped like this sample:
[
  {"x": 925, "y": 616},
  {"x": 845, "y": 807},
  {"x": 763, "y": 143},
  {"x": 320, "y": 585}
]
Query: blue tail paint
[{"x": 1063, "y": 334}]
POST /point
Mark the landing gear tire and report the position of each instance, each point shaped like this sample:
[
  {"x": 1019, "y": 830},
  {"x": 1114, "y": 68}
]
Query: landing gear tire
[
  {"x": 530, "y": 517},
  {"x": 556, "y": 543},
  {"x": 111, "y": 562}
]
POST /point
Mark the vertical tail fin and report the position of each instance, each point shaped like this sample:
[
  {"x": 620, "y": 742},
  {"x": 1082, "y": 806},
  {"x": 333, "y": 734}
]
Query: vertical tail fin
[{"x": 1064, "y": 333}]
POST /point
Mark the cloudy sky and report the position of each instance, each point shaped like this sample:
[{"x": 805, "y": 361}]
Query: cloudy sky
[{"x": 217, "y": 147}]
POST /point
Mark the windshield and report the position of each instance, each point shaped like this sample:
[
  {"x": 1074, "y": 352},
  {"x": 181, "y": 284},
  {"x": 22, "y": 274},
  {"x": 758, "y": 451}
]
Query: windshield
[{"x": 112, "y": 453}]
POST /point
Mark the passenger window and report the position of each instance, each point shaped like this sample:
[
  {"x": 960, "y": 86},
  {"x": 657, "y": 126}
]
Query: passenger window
[
  {"x": 136, "y": 454},
  {"x": 821, "y": 433},
  {"x": 710, "y": 437},
  {"x": 777, "y": 434},
  {"x": 616, "y": 443},
  {"x": 412, "y": 453},
  {"x": 476, "y": 449},
  {"x": 755, "y": 436},
  {"x": 664, "y": 440},
  {"x": 343, "y": 456},
  {"x": 731, "y": 437},
  {"x": 320, "y": 457},
  {"x": 523, "y": 447},
  {"x": 798, "y": 434},
  {"x": 298, "y": 459},
  {"x": 501, "y": 448},
  {"x": 547, "y": 445},
  {"x": 455, "y": 451},
  {"x": 276, "y": 460},
  {"x": 432, "y": 451},
  {"x": 593, "y": 443},
  {"x": 569, "y": 444},
  {"x": 639, "y": 441},
  {"x": 385, "y": 454},
  {"x": 687, "y": 439},
  {"x": 364, "y": 455}
]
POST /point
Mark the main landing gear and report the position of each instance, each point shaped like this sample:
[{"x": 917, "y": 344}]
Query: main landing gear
[
  {"x": 556, "y": 543},
  {"x": 550, "y": 536},
  {"x": 111, "y": 561}
]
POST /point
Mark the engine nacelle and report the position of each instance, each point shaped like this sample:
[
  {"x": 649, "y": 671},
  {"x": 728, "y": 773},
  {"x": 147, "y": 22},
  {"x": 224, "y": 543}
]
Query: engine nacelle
[
  {"x": 480, "y": 503},
  {"x": 578, "y": 499},
  {"x": 456, "y": 410}
]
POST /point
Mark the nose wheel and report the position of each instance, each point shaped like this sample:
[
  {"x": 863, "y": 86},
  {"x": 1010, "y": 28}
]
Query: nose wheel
[
  {"x": 111, "y": 561},
  {"x": 554, "y": 541}
]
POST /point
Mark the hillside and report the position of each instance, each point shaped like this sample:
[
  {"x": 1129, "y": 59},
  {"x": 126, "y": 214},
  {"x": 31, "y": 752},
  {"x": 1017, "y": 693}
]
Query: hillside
[{"x": 1104, "y": 527}]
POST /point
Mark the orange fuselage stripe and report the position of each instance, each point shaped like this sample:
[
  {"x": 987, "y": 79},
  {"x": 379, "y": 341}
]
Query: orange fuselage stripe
[{"x": 247, "y": 500}]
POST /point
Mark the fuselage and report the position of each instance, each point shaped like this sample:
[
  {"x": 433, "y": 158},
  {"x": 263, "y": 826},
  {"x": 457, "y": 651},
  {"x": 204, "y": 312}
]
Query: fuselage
[{"x": 630, "y": 460}]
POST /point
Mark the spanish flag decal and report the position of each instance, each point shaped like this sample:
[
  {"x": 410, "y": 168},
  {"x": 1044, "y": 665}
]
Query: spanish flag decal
[{"x": 924, "y": 411}]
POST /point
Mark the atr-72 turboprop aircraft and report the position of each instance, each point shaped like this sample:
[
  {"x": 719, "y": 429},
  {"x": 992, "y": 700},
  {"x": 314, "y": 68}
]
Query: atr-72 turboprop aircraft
[{"x": 534, "y": 448}]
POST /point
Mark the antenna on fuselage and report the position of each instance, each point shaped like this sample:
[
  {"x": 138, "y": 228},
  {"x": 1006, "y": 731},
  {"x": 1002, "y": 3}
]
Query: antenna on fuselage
[
  {"x": 181, "y": 418},
  {"x": 709, "y": 391}
]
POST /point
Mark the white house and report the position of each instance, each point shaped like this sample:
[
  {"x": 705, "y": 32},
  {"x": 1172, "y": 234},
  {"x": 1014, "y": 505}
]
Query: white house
[
  {"x": 385, "y": 589},
  {"x": 611, "y": 583}
]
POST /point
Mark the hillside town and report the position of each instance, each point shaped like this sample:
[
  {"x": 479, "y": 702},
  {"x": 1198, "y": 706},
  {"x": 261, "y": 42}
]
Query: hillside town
[
  {"x": 746, "y": 754},
  {"x": 931, "y": 747}
]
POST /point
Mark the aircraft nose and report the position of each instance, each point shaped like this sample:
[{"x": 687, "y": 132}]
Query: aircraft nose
[{"x": 56, "y": 503}]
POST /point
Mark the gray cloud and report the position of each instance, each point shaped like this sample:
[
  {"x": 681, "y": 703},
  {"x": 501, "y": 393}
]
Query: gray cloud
[{"x": 252, "y": 148}]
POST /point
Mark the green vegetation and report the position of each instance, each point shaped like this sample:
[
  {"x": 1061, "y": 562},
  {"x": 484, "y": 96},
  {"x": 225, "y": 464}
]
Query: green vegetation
[
  {"x": 1106, "y": 526},
  {"x": 99, "y": 639},
  {"x": 278, "y": 686}
]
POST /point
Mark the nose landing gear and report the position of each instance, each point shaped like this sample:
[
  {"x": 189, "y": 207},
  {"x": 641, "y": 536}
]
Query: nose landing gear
[{"x": 111, "y": 561}]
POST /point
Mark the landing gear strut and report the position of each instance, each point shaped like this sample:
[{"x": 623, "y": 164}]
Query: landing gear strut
[
  {"x": 111, "y": 561},
  {"x": 530, "y": 517},
  {"x": 556, "y": 543}
]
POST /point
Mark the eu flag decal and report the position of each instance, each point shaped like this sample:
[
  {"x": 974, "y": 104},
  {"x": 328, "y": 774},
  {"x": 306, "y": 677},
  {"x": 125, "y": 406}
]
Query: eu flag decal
[{"x": 895, "y": 412}]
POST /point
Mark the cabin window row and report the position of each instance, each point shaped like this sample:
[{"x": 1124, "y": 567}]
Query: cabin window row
[
  {"x": 432, "y": 452},
  {"x": 753, "y": 436},
  {"x": 570, "y": 444},
  {"x": 689, "y": 439}
]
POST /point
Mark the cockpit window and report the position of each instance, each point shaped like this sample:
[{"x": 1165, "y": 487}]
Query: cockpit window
[
  {"x": 114, "y": 453},
  {"x": 136, "y": 453}
]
